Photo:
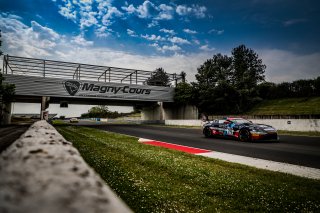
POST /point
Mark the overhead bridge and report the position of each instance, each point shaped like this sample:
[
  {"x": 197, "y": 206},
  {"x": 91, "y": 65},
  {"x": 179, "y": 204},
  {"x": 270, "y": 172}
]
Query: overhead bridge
[{"x": 39, "y": 80}]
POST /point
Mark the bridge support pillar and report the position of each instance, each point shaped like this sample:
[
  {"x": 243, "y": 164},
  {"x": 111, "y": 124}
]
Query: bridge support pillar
[
  {"x": 169, "y": 111},
  {"x": 173, "y": 111},
  {"x": 152, "y": 113},
  {"x": 5, "y": 113},
  {"x": 44, "y": 105}
]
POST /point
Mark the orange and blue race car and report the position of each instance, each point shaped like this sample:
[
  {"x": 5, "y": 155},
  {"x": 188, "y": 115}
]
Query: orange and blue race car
[{"x": 240, "y": 129}]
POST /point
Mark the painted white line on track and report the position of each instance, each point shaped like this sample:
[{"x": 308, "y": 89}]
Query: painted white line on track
[{"x": 301, "y": 171}]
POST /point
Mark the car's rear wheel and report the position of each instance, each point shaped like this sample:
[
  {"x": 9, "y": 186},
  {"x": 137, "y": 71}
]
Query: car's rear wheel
[
  {"x": 244, "y": 135},
  {"x": 207, "y": 132}
]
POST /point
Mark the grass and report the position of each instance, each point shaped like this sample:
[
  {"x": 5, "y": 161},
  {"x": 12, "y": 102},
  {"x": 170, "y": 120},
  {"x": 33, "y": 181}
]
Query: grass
[
  {"x": 154, "y": 179},
  {"x": 299, "y": 133},
  {"x": 289, "y": 106}
]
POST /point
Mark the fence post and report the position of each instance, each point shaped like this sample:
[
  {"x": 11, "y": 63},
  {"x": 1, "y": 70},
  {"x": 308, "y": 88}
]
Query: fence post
[
  {"x": 109, "y": 74},
  {"x": 44, "y": 68}
]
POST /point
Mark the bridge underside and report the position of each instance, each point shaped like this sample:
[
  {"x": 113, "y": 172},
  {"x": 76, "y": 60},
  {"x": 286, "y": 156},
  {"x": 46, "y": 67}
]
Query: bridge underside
[{"x": 83, "y": 101}]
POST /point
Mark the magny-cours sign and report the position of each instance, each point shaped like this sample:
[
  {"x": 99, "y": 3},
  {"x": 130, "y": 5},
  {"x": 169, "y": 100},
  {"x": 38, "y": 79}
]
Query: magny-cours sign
[{"x": 54, "y": 87}]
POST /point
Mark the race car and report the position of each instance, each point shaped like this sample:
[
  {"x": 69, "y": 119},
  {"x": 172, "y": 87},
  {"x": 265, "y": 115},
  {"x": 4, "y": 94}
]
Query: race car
[{"x": 241, "y": 129}]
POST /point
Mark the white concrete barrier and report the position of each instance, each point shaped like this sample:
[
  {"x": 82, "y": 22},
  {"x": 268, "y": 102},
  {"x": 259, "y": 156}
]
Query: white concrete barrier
[
  {"x": 280, "y": 124},
  {"x": 184, "y": 122},
  {"x": 292, "y": 124},
  {"x": 42, "y": 172}
]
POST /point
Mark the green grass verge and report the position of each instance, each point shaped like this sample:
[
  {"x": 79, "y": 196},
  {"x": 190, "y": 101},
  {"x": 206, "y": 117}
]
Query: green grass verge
[
  {"x": 299, "y": 133},
  {"x": 154, "y": 179},
  {"x": 289, "y": 106}
]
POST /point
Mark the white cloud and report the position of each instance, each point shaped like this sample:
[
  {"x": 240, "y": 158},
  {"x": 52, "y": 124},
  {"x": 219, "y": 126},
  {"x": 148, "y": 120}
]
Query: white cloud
[
  {"x": 167, "y": 31},
  {"x": 81, "y": 41},
  {"x": 153, "y": 23},
  {"x": 178, "y": 40},
  {"x": 153, "y": 37},
  {"x": 207, "y": 48},
  {"x": 44, "y": 33},
  {"x": 102, "y": 31},
  {"x": 190, "y": 31},
  {"x": 166, "y": 12},
  {"x": 111, "y": 13},
  {"x": 68, "y": 11},
  {"x": 196, "y": 10},
  {"x": 29, "y": 41},
  {"x": 91, "y": 13},
  {"x": 165, "y": 48},
  {"x": 37, "y": 41},
  {"x": 214, "y": 31},
  {"x": 88, "y": 19},
  {"x": 131, "y": 33},
  {"x": 287, "y": 66},
  {"x": 293, "y": 22},
  {"x": 196, "y": 41},
  {"x": 146, "y": 10}
]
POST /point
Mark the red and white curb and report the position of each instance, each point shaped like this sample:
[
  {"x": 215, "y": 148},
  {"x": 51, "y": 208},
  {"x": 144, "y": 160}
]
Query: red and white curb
[
  {"x": 181, "y": 148},
  {"x": 301, "y": 171}
]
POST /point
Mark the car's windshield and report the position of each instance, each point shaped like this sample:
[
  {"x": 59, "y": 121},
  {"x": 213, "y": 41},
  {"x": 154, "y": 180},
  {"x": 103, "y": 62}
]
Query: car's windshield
[{"x": 240, "y": 121}]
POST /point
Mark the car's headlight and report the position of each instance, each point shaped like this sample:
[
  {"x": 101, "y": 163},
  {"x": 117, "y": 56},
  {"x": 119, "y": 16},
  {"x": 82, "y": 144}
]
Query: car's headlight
[{"x": 258, "y": 131}]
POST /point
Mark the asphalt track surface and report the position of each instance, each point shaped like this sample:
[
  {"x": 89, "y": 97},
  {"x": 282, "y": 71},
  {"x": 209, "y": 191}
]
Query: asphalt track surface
[
  {"x": 10, "y": 133},
  {"x": 297, "y": 150}
]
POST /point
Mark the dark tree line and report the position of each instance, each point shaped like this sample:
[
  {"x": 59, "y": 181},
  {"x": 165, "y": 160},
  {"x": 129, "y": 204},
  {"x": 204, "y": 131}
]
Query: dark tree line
[
  {"x": 295, "y": 89},
  {"x": 234, "y": 84},
  {"x": 102, "y": 111}
]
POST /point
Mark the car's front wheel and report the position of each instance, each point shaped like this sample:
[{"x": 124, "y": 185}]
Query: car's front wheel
[
  {"x": 244, "y": 135},
  {"x": 207, "y": 132}
]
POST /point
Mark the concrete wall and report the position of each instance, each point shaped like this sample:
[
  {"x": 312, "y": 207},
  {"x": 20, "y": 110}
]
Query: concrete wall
[
  {"x": 42, "y": 172},
  {"x": 152, "y": 113},
  {"x": 184, "y": 122},
  {"x": 292, "y": 124},
  {"x": 186, "y": 112},
  {"x": 280, "y": 124},
  {"x": 168, "y": 111}
]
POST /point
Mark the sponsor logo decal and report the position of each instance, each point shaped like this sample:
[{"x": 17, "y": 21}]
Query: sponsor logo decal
[
  {"x": 115, "y": 90},
  {"x": 72, "y": 87}
]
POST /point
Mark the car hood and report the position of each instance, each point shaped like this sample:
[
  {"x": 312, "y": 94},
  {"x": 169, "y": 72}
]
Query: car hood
[{"x": 264, "y": 127}]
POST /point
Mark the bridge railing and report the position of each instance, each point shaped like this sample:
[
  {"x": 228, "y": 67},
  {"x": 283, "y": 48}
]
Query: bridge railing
[{"x": 67, "y": 70}]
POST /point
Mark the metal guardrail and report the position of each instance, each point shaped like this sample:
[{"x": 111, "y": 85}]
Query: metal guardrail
[{"x": 58, "y": 69}]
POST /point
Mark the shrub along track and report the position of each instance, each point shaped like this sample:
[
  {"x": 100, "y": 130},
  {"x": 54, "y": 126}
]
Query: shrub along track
[{"x": 154, "y": 179}]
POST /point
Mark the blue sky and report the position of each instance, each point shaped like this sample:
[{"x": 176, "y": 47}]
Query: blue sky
[{"x": 176, "y": 35}]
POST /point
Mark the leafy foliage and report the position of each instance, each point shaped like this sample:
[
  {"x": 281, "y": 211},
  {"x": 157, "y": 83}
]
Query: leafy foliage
[
  {"x": 248, "y": 69},
  {"x": 102, "y": 111},
  {"x": 184, "y": 93},
  {"x": 159, "y": 78},
  {"x": 227, "y": 85}
]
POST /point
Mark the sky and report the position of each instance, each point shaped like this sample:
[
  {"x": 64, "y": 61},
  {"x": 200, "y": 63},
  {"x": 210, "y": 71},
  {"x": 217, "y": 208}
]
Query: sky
[{"x": 178, "y": 35}]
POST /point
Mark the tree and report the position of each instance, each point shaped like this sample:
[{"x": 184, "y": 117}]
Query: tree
[
  {"x": 100, "y": 111},
  {"x": 228, "y": 84},
  {"x": 184, "y": 93},
  {"x": 183, "y": 76},
  {"x": 215, "y": 70},
  {"x": 159, "y": 78},
  {"x": 248, "y": 69}
]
